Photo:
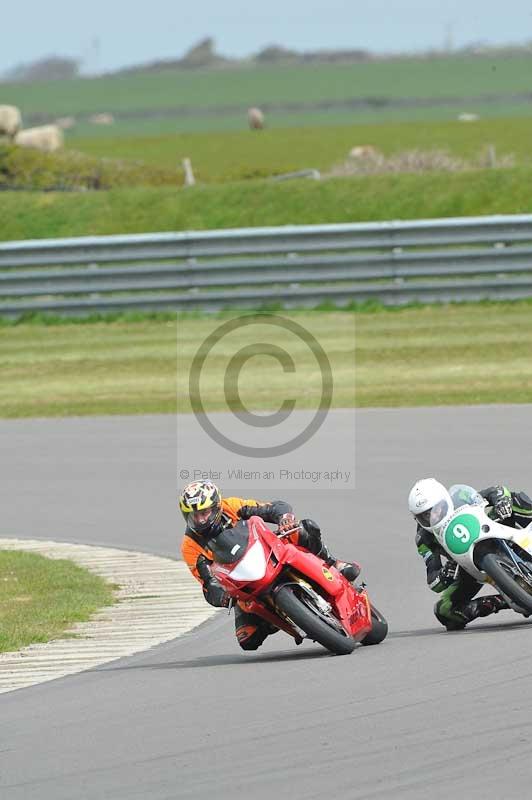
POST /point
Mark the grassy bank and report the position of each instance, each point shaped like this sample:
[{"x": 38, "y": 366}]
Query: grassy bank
[
  {"x": 25, "y": 215},
  {"x": 456, "y": 354},
  {"x": 40, "y": 598}
]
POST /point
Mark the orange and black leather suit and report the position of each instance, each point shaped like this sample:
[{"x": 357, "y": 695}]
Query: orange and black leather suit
[{"x": 251, "y": 630}]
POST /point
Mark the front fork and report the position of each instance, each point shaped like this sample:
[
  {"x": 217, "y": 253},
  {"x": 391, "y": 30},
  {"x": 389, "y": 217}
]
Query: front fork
[{"x": 518, "y": 561}]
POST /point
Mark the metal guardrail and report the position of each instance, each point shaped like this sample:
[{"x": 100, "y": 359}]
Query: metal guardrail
[{"x": 392, "y": 262}]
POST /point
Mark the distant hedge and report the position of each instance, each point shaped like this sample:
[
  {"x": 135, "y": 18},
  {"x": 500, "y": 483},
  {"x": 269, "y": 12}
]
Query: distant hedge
[{"x": 23, "y": 168}]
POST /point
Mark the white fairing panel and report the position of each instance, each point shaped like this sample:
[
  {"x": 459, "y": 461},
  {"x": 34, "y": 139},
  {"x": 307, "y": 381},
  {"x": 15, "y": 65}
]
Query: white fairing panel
[{"x": 253, "y": 565}]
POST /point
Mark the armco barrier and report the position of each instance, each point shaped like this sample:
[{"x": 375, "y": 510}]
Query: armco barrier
[{"x": 393, "y": 262}]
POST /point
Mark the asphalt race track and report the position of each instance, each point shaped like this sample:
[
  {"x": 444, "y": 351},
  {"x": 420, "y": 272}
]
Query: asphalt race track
[{"x": 427, "y": 713}]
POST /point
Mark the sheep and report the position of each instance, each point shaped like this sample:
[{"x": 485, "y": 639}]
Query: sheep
[
  {"x": 467, "y": 117},
  {"x": 65, "y": 122},
  {"x": 46, "y": 138},
  {"x": 255, "y": 119},
  {"x": 10, "y": 121},
  {"x": 364, "y": 151},
  {"x": 102, "y": 119}
]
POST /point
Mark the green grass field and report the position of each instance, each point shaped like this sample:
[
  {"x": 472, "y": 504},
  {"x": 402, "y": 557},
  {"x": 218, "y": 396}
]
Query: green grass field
[
  {"x": 226, "y": 89},
  {"x": 230, "y": 156},
  {"x": 236, "y": 122},
  {"x": 41, "y": 598},
  {"x": 441, "y": 355}
]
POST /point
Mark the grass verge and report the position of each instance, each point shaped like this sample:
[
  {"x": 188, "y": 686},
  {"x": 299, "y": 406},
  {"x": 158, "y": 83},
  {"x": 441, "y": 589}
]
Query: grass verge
[
  {"x": 31, "y": 215},
  {"x": 434, "y": 355},
  {"x": 41, "y": 598}
]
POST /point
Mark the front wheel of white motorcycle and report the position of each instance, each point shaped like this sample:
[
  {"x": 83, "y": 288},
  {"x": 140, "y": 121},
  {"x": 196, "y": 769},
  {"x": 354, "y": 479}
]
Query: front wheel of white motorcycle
[
  {"x": 509, "y": 579},
  {"x": 314, "y": 625}
]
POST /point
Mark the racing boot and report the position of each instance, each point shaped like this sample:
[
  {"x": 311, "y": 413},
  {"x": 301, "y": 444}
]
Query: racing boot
[
  {"x": 349, "y": 569},
  {"x": 455, "y": 619},
  {"x": 484, "y": 606}
]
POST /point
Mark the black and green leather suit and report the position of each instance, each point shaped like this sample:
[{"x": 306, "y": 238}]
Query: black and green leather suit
[{"x": 456, "y": 607}]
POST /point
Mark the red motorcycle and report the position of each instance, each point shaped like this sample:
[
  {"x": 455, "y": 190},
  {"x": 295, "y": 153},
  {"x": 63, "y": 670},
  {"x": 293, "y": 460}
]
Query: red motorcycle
[{"x": 293, "y": 589}]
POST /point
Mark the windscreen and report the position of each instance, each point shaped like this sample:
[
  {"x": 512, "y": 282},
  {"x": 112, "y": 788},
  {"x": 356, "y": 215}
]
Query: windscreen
[
  {"x": 231, "y": 544},
  {"x": 464, "y": 495}
]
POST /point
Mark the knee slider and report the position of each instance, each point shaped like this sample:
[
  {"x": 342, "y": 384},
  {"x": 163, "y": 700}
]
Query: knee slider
[{"x": 250, "y": 637}]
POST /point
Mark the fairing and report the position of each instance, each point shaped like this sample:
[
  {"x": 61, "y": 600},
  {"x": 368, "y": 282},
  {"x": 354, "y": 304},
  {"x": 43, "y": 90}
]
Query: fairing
[
  {"x": 269, "y": 561},
  {"x": 252, "y": 567}
]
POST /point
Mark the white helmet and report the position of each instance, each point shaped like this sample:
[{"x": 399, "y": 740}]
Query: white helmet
[{"x": 429, "y": 502}]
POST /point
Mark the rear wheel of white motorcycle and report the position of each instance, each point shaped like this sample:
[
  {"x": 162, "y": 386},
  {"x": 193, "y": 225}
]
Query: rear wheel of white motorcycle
[
  {"x": 379, "y": 628},
  {"x": 508, "y": 579},
  {"x": 313, "y": 623}
]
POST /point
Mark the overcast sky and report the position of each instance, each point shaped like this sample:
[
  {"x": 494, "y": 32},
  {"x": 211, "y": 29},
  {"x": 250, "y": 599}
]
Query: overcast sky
[{"x": 107, "y": 34}]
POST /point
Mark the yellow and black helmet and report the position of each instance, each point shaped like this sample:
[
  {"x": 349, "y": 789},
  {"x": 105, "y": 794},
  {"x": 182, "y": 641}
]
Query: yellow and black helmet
[{"x": 201, "y": 505}]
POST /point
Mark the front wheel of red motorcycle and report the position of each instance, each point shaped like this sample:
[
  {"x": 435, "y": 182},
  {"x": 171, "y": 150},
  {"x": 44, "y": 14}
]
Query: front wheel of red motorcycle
[{"x": 315, "y": 626}]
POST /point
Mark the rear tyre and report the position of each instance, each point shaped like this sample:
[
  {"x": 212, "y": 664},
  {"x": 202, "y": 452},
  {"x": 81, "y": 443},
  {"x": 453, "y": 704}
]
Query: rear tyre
[
  {"x": 314, "y": 626},
  {"x": 379, "y": 628},
  {"x": 508, "y": 579}
]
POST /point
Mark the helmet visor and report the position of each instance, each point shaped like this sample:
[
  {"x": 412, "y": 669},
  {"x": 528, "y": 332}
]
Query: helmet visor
[
  {"x": 203, "y": 521},
  {"x": 433, "y": 516}
]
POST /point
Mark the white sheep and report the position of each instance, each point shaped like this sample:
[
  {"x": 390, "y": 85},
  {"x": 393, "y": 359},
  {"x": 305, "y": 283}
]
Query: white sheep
[
  {"x": 255, "y": 119},
  {"x": 10, "y": 120},
  {"x": 46, "y": 138},
  {"x": 102, "y": 119},
  {"x": 364, "y": 151},
  {"x": 65, "y": 122}
]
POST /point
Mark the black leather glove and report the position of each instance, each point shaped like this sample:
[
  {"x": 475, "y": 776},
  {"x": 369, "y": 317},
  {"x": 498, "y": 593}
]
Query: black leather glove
[
  {"x": 213, "y": 591},
  {"x": 203, "y": 567},
  {"x": 448, "y": 573},
  {"x": 502, "y": 506}
]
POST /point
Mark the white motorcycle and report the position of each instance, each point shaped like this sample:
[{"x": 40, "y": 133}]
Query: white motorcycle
[{"x": 489, "y": 551}]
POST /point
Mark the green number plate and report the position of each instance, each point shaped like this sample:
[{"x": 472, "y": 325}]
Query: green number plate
[{"x": 461, "y": 533}]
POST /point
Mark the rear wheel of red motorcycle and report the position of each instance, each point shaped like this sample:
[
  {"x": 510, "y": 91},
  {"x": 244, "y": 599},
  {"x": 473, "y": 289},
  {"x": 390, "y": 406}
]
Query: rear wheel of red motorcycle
[
  {"x": 379, "y": 628},
  {"x": 314, "y": 626}
]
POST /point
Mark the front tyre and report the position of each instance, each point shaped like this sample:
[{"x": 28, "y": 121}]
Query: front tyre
[
  {"x": 379, "y": 628},
  {"x": 314, "y": 626},
  {"x": 508, "y": 579}
]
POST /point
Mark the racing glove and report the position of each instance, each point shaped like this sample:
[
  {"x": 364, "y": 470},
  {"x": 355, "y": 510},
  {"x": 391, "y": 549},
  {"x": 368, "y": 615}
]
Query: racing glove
[
  {"x": 213, "y": 592},
  {"x": 502, "y": 506},
  {"x": 288, "y": 523}
]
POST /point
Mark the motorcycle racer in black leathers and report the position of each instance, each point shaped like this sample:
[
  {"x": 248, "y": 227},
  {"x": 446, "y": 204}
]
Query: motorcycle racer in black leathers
[{"x": 456, "y": 606}]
